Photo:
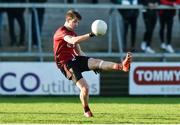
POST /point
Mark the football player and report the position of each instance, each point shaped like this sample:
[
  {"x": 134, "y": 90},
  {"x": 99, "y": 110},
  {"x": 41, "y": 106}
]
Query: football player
[{"x": 72, "y": 61}]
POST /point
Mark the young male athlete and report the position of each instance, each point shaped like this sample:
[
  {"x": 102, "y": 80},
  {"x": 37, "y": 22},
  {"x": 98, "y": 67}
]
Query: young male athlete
[{"x": 72, "y": 61}]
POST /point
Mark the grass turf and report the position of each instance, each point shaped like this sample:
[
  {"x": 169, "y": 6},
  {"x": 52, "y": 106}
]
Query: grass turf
[{"x": 107, "y": 110}]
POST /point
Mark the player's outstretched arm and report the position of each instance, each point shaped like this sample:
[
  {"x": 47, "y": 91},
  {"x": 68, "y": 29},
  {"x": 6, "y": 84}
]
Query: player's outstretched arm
[{"x": 77, "y": 39}]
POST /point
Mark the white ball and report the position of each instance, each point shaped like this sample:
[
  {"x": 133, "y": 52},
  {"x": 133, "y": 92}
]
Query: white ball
[{"x": 99, "y": 27}]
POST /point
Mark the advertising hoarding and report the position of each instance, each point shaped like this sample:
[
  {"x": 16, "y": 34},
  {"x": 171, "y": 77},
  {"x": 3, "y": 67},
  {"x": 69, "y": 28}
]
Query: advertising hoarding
[
  {"x": 154, "y": 78},
  {"x": 41, "y": 78}
]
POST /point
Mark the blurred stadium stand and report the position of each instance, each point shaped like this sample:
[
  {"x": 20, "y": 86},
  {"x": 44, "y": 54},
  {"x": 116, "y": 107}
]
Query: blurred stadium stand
[
  {"x": 106, "y": 47},
  {"x": 110, "y": 44}
]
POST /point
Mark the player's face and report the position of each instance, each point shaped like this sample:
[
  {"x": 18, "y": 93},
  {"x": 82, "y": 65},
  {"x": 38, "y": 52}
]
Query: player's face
[{"x": 73, "y": 23}]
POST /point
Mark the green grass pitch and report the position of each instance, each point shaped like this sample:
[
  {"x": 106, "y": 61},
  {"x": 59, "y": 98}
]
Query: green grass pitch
[{"x": 107, "y": 110}]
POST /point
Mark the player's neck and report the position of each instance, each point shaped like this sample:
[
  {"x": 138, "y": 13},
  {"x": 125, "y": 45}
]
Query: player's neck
[{"x": 68, "y": 27}]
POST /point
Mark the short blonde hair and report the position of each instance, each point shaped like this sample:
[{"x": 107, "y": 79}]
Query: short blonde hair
[{"x": 73, "y": 14}]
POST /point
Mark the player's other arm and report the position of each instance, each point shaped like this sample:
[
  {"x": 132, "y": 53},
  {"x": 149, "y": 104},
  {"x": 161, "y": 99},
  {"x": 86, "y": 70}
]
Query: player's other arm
[
  {"x": 77, "y": 39},
  {"x": 79, "y": 50}
]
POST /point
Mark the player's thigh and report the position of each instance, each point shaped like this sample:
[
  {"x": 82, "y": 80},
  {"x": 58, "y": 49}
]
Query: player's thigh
[
  {"x": 82, "y": 84},
  {"x": 94, "y": 63}
]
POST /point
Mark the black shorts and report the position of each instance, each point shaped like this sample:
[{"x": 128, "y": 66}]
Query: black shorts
[{"x": 78, "y": 65}]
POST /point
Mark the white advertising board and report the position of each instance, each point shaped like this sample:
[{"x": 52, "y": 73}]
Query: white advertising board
[
  {"x": 154, "y": 78},
  {"x": 41, "y": 78}
]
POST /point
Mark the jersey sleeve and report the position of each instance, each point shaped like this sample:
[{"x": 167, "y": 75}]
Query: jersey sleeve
[{"x": 59, "y": 34}]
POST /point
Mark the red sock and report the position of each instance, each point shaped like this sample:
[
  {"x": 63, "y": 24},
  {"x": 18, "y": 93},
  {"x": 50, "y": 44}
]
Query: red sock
[{"x": 86, "y": 109}]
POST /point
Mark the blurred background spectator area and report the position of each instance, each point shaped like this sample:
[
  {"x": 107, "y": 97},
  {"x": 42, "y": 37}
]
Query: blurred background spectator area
[{"x": 54, "y": 17}]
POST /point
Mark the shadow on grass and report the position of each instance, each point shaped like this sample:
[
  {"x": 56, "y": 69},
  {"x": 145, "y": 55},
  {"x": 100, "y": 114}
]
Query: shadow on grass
[
  {"x": 44, "y": 117},
  {"x": 40, "y": 113},
  {"x": 93, "y": 99},
  {"x": 105, "y": 118}
]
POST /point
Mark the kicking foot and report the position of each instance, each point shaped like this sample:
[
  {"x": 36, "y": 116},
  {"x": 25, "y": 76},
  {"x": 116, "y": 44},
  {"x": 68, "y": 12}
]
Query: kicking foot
[
  {"x": 127, "y": 62},
  {"x": 88, "y": 114}
]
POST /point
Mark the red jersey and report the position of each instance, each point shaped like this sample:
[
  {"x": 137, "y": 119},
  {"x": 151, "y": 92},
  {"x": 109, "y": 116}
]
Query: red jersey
[{"x": 63, "y": 51}]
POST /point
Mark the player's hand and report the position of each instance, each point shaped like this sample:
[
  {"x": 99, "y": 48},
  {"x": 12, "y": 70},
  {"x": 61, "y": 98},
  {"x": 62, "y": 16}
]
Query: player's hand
[
  {"x": 91, "y": 34},
  {"x": 127, "y": 62}
]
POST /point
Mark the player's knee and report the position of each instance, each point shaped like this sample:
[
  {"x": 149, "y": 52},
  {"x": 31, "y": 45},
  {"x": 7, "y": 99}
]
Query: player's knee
[{"x": 94, "y": 63}]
